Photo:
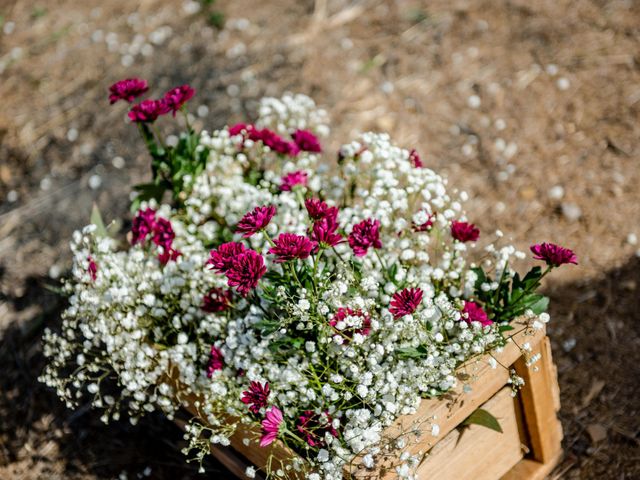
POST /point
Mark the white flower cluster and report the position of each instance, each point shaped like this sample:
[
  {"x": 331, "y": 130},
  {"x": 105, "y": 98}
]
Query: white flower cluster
[{"x": 340, "y": 362}]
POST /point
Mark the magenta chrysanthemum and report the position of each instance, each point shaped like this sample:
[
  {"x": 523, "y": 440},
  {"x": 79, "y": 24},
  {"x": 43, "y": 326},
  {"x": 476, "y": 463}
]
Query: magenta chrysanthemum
[
  {"x": 275, "y": 142},
  {"x": 148, "y": 111},
  {"x": 216, "y": 300},
  {"x": 415, "y": 159},
  {"x": 271, "y": 426},
  {"x": 246, "y": 271},
  {"x": 163, "y": 233},
  {"x": 289, "y": 246},
  {"x": 306, "y": 141},
  {"x": 313, "y": 427},
  {"x": 318, "y": 210},
  {"x": 142, "y": 225},
  {"x": 324, "y": 233},
  {"x": 92, "y": 268},
  {"x": 292, "y": 179},
  {"x": 464, "y": 232},
  {"x": 222, "y": 258},
  {"x": 554, "y": 255},
  {"x": 237, "y": 129},
  {"x": 405, "y": 302},
  {"x": 472, "y": 312},
  {"x": 364, "y": 235},
  {"x": 256, "y": 397},
  {"x": 177, "y": 97},
  {"x": 348, "y": 331},
  {"x": 256, "y": 220},
  {"x": 168, "y": 254},
  {"x": 127, "y": 90},
  {"x": 216, "y": 361}
]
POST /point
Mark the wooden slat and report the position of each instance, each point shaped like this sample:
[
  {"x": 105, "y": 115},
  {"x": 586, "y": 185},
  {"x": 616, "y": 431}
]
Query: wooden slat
[
  {"x": 477, "y": 453},
  {"x": 544, "y": 430},
  {"x": 527, "y": 469}
]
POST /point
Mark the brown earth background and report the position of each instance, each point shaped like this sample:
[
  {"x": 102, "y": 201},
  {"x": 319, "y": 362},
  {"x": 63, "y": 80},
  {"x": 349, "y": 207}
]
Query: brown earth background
[{"x": 532, "y": 107}]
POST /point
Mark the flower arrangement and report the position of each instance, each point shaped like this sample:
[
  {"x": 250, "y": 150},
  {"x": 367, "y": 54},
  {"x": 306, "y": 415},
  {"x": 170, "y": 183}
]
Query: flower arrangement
[{"x": 315, "y": 302}]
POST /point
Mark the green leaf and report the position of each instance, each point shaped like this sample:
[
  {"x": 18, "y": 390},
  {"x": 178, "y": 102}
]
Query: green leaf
[
  {"x": 541, "y": 305},
  {"x": 411, "y": 352},
  {"x": 505, "y": 328},
  {"x": 96, "y": 219},
  {"x": 483, "y": 418}
]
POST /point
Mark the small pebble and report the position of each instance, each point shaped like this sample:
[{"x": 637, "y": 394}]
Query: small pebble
[
  {"x": 387, "y": 87},
  {"x": 569, "y": 344},
  {"x": 500, "y": 124},
  {"x": 45, "y": 184},
  {"x": 556, "y": 192},
  {"x": 552, "y": 69},
  {"x": 474, "y": 101},
  {"x": 202, "y": 111},
  {"x": 563, "y": 83},
  {"x": 632, "y": 239},
  {"x": 118, "y": 162},
  {"x": 12, "y": 196},
  {"x": 8, "y": 28},
  {"x": 54, "y": 271},
  {"x": 571, "y": 211},
  {"x": 72, "y": 134},
  {"x": 94, "y": 182}
]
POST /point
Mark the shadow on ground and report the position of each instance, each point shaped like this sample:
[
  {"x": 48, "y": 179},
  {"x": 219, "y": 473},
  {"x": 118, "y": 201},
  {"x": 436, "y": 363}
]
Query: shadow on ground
[{"x": 595, "y": 333}]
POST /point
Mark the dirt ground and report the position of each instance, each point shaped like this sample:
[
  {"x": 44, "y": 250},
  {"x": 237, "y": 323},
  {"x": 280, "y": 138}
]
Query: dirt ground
[{"x": 532, "y": 107}]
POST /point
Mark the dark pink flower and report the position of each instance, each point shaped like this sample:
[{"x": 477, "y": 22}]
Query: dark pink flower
[
  {"x": 464, "y": 232},
  {"x": 256, "y": 220},
  {"x": 237, "y": 129},
  {"x": 271, "y": 426},
  {"x": 246, "y": 271},
  {"x": 163, "y": 233},
  {"x": 425, "y": 226},
  {"x": 554, "y": 255},
  {"x": 350, "y": 331},
  {"x": 306, "y": 141},
  {"x": 415, "y": 159},
  {"x": 148, "y": 111},
  {"x": 314, "y": 426},
  {"x": 222, "y": 258},
  {"x": 318, "y": 209},
  {"x": 292, "y": 179},
  {"x": 405, "y": 302},
  {"x": 289, "y": 246},
  {"x": 324, "y": 233},
  {"x": 472, "y": 312},
  {"x": 216, "y": 300},
  {"x": 276, "y": 143},
  {"x": 216, "y": 361},
  {"x": 142, "y": 225},
  {"x": 92, "y": 269},
  {"x": 256, "y": 397},
  {"x": 364, "y": 235},
  {"x": 167, "y": 254},
  {"x": 177, "y": 97},
  {"x": 127, "y": 89}
]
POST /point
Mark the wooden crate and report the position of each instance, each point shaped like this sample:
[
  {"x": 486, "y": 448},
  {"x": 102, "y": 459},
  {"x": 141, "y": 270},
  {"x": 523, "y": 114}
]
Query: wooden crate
[{"x": 528, "y": 449}]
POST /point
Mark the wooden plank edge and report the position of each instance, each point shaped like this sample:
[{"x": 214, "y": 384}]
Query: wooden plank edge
[{"x": 528, "y": 469}]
